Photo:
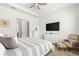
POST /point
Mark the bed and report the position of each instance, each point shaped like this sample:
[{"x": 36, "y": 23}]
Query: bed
[{"x": 30, "y": 47}]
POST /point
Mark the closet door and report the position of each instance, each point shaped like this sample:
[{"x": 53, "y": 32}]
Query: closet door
[
  {"x": 25, "y": 28},
  {"x": 19, "y": 27},
  {"x": 22, "y": 28}
]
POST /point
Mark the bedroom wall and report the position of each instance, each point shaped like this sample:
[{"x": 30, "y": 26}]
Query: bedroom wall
[
  {"x": 77, "y": 18},
  {"x": 68, "y": 21},
  {"x": 11, "y": 15}
]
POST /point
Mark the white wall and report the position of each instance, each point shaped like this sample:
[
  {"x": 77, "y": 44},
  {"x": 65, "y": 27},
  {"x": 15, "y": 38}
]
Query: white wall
[
  {"x": 77, "y": 20},
  {"x": 11, "y": 15},
  {"x": 67, "y": 18}
]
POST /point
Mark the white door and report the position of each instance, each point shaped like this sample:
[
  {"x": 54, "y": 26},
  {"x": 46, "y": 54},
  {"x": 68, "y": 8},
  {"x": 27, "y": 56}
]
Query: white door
[
  {"x": 25, "y": 28},
  {"x": 22, "y": 28}
]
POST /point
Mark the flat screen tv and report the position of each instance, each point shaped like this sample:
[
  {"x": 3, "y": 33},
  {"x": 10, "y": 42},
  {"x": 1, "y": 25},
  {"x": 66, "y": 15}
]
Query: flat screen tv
[{"x": 52, "y": 26}]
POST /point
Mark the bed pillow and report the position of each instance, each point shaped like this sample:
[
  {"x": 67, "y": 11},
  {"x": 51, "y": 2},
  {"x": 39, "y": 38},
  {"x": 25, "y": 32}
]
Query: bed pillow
[
  {"x": 2, "y": 35},
  {"x": 2, "y": 49},
  {"x": 8, "y": 42}
]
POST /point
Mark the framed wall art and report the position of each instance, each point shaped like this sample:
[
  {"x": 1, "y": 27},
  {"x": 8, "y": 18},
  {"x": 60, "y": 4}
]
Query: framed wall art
[{"x": 4, "y": 23}]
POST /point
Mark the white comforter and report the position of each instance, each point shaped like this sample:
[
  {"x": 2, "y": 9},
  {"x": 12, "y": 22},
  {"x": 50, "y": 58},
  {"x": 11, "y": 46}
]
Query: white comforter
[{"x": 30, "y": 47}]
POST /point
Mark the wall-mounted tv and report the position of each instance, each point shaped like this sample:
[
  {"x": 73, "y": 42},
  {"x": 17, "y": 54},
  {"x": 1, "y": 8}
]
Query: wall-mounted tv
[{"x": 52, "y": 26}]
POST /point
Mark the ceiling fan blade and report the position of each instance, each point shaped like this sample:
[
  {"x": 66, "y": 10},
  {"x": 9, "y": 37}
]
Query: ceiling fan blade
[
  {"x": 32, "y": 5},
  {"x": 42, "y": 3},
  {"x": 38, "y": 7}
]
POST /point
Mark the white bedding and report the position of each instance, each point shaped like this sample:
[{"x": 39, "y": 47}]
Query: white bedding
[
  {"x": 2, "y": 49},
  {"x": 30, "y": 47}
]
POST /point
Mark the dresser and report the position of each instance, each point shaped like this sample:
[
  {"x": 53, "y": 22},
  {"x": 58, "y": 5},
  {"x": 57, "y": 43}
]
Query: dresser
[{"x": 51, "y": 37}]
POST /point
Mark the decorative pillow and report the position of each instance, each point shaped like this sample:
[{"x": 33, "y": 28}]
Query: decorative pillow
[
  {"x": 2, "y": 49},
  {"x": 8, "y": 42}
]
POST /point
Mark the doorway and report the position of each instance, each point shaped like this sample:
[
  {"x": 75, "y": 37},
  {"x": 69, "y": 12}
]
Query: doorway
[{"x": 22, "y": 28}]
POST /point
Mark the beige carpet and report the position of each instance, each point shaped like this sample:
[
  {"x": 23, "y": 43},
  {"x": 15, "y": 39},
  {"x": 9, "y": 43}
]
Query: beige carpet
[{"x": 63, "y": 53}]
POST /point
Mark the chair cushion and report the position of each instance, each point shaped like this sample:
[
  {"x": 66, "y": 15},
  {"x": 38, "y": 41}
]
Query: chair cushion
[{"x": 73, "y": 36}]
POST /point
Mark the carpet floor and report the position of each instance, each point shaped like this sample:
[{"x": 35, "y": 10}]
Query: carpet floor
[{"x": 63, "y": 53}]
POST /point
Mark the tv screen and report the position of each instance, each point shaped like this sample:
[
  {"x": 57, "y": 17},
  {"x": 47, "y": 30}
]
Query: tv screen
[{"x": 52, "y": 26}]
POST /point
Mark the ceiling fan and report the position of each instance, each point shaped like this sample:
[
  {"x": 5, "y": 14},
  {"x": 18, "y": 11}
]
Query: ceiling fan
[{"x": 37, "y": 5}]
